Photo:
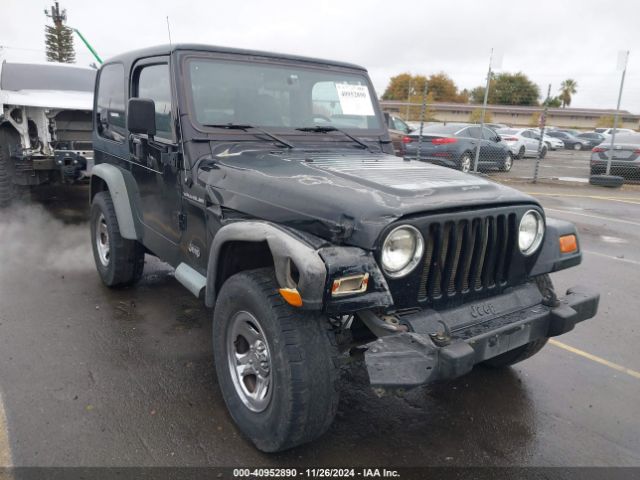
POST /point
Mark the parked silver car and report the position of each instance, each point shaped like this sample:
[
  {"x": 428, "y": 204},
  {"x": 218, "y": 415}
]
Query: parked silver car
[
  {"x": 551, "y": 142},
  {"x": 625, "y": 160},
  {"x": 522, "y": 142}
]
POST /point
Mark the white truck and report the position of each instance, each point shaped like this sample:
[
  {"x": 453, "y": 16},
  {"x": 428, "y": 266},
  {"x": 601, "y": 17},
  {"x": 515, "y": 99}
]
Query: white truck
[{"x": 45, "y": 125}]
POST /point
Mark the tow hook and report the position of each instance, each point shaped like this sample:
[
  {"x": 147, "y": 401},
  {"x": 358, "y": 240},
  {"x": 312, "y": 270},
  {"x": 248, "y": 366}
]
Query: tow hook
[{"x": 441, "y": 339}]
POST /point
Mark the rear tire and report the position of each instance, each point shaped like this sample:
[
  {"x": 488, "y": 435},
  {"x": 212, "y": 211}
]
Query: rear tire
[
  {"x": 7, "y": 188},
  {"x": 294, "y": 399},
  {"x": 119, "y": 261},
  {"x": 465, "y": 163},
  {"x": 545, "y": 285},
  {"x": 543, "y": 152},
  {"x": 521, "y": 153},
  {"x": 507, "y": 163},
  {"x": 577, "y": 146}
]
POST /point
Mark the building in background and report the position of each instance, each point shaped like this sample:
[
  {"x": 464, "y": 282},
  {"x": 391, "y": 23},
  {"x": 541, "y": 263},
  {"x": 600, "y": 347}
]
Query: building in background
[{"x": 579, "y": 118}]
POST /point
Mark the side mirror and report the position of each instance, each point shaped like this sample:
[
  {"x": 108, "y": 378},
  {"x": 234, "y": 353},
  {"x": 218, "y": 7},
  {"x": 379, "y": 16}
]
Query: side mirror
[
  {"x": 497, "y": 138},
  {"x": 141, "y": 116}
]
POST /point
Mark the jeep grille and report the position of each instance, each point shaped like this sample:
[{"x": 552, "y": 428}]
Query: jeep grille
[{"x": 466, "y": 255}]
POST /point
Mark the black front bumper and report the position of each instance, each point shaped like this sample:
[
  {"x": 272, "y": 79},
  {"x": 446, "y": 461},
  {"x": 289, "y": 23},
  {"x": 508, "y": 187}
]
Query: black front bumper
[{"x": 447, "y": 344}]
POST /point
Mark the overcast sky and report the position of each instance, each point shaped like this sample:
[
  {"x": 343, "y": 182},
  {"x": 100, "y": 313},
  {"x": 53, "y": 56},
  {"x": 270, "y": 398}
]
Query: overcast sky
[{"x": 548, "y": 40}]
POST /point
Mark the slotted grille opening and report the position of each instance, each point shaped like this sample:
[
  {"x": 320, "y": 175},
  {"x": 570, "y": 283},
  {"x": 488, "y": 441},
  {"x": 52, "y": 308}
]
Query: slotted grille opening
[{"x": 467, "y": 255}]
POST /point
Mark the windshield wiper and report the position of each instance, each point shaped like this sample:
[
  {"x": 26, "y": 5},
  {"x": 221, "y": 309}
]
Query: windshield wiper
[
  {"x": 236, "y": 126},
  {"x": 330, "y": 128}
]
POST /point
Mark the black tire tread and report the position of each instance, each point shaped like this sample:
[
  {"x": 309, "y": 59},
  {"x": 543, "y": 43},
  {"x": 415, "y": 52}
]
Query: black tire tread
[
  {"x": 127, "y": 255},
  {"x": 310, "y": 345}
]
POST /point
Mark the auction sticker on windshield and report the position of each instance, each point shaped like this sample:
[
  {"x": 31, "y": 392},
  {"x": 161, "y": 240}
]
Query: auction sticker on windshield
[{"x": 354, "y": 99}]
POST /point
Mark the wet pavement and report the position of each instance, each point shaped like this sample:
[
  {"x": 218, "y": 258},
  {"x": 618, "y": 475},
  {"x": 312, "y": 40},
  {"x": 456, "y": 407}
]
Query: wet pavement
[{"x": 98, "y": 377}]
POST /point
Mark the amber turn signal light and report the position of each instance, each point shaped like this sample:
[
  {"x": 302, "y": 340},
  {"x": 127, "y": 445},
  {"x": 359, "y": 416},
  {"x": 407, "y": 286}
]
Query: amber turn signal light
[
  {"x": 568, "y": 244},
  {"x": 291, "y": 296}
]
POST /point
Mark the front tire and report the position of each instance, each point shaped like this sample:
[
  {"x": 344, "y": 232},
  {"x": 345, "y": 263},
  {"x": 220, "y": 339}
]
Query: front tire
[
  {"x": 577, "y": 146},
  {"x": 507, "y": 163},
  {"x": 119, "y": 261},
  {"x": 275, "y": 363}
]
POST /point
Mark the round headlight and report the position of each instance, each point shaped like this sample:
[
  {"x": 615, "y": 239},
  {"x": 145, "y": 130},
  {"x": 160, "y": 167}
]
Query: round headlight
[
  {"x": 530, "y": 232},
  {"x": 401, "y": 251}
]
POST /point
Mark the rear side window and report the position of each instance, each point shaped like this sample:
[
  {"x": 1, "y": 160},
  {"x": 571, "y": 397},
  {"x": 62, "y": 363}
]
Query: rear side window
[
  {"x": 473, "y": 132},
  {"x": 154, "y": 84},
  {"x": 110, "y": 114}
]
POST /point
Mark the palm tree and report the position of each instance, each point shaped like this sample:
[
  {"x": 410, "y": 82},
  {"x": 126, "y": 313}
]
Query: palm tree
[{"x": 567, "y": 88}]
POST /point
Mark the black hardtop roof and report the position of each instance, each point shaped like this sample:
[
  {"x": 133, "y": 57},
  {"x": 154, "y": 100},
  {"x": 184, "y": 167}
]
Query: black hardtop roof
[{"x": 131, "y": 56}]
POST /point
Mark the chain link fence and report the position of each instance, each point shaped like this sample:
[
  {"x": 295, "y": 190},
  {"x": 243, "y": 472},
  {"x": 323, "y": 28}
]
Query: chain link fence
[{"x": 526, "y": 142}]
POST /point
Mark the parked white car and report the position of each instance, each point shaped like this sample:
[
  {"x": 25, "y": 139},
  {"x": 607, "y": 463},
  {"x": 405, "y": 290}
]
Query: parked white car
[
  {"x": 609, "y": 131},
  {"x": 522, "y": 142},
  {"x": 552, "y": 143},
  {"x": 606, "y": 132}
]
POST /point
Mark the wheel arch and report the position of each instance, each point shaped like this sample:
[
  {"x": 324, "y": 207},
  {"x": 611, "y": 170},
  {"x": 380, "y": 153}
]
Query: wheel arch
[
  {"x": 296, "y": 263},
  {"x": 107, "y": 177}
]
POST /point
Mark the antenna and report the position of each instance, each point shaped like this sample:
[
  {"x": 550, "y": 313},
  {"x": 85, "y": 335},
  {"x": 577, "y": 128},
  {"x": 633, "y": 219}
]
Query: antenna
[
  {"x": 169, "y": 30},
  {"x": 187, "y": 179}
]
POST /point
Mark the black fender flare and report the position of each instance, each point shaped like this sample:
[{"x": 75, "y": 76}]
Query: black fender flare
[
  {"x": 123, "y": 194},
  {"x": 285, "y": 249}
]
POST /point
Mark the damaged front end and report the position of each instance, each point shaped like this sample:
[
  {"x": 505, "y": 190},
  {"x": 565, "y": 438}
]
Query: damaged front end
[
  {"x": 428, "y": 345},
  {"x": 474, "y": 296}
]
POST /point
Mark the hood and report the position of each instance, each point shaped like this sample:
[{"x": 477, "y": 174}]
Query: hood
[{"x": 344, "y": 196}]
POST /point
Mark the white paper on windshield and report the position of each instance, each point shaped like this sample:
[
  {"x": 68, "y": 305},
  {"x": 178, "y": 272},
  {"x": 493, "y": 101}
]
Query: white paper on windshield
[{"x": 354, "y": 99}]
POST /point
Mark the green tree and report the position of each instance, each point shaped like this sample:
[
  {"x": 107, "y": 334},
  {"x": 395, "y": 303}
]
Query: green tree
[
  {"x": 477, "y": 95},
  {"x": 567, "y": 89},
  {"x": 58, "y": 38},
  {"x": 514, "y": 89},
  {"x": 552, "y": 102},
  {"x": 476, "y": 116},
  {"x": 508, "y": 89}
]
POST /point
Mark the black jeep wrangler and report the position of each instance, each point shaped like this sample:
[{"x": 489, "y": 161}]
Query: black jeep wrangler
[{"x": 269, "y": 183}]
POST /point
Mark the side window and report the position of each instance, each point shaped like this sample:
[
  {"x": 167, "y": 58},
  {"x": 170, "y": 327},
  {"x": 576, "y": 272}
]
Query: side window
[
  {"x": 526, "y": 134},
  {"x": 400, "y": 125},
  {"x": 110, "y": 115},
  {"x": 472, "y": 132},
  {"x": 489, "y": 134},
  {"x": 154, "y": 84}
]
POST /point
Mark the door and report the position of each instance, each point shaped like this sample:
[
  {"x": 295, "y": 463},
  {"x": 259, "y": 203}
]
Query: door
[
  {"x": 530, "y": 142},
  {"x": 155, "y": 160},
  {"x": 494, "y": 150}
]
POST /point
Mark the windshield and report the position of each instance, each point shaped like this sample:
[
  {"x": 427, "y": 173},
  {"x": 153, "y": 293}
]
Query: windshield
[{"x": 267, "y": 95}]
